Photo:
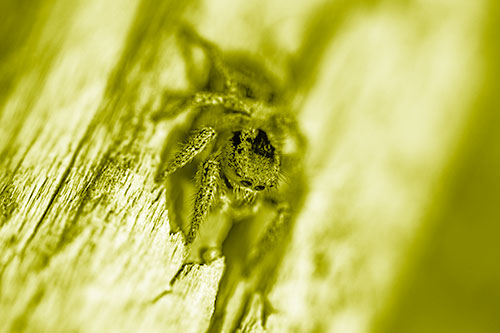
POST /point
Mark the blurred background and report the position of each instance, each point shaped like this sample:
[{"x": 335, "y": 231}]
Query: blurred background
[{"x": 398, "y": 100}]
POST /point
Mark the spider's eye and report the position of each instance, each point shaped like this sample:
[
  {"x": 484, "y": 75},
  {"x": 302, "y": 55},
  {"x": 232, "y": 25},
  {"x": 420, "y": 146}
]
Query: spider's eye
[
  {"x": 249, "y": 93},
  {"x": 271, "y": 97},
  {"x": 259, "y": 187},
  {"x": 246, "y": 183}
]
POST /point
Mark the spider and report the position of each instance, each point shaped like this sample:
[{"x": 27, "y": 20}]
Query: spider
[{"x": 245, "y": 140}]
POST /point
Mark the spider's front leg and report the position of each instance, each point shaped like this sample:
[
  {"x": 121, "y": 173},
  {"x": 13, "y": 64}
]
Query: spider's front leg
[
  {"x": 195, "y": 145},
  {"x": 208, "y": 179}
]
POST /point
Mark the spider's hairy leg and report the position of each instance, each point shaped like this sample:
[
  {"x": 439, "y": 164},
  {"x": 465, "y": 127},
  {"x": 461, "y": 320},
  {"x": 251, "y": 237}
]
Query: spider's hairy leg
[
  {"x": 195, "y": 144},
  {"x": 287, "y": 125},
  {"x": 231, "y": 102},
  {"x": 172, "y": 104},
  {"x": 214, "y": 55},
  {"x": 208, "y": 181},
  {"x": 294, "y": 143},
  {"x": 272, "y": 236}
]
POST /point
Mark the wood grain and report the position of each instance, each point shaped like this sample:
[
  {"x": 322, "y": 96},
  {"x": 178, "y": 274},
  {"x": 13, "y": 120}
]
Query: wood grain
[{"x": 85, "y": 240}]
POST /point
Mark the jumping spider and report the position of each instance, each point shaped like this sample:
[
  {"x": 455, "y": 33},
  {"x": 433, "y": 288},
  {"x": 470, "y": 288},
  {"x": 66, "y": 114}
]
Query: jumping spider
[{"x": 246, "y": 139}]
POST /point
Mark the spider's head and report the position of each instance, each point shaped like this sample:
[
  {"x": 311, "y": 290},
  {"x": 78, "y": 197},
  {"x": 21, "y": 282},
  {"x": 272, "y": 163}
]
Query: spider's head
[{"x": 251, "y": 161}]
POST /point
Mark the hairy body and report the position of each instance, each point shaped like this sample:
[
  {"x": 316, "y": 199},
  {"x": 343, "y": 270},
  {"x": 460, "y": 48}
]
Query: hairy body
[{"x": 243, "y": 141}]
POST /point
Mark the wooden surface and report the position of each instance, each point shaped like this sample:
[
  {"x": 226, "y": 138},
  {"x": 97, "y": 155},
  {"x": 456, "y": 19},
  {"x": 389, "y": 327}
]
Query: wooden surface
[{"x": 85, "y": 242}]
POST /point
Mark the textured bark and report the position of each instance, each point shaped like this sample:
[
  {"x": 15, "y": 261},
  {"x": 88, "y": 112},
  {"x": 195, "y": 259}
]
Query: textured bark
[{"x": 85, "y": 240}]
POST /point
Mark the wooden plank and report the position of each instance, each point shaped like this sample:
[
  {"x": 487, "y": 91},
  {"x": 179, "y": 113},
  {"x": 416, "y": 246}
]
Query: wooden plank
[{"x": 84, "y": 223}]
